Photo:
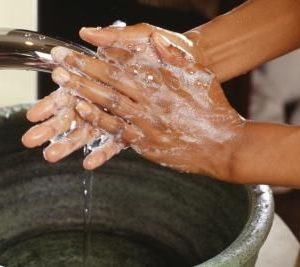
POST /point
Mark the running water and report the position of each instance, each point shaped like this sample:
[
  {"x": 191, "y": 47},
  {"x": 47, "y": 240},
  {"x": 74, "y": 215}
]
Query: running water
[
  {"x": 87, "y": 182},
  {"x": 88, "y": 177}
]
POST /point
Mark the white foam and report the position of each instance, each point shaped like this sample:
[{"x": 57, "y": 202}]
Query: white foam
[{"x": 119, "y": 24}]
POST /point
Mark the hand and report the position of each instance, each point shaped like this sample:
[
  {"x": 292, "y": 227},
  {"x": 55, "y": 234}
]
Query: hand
[
  {"x": 112, "y": 40},
  {"x": 171, "y": 110},
  {"x": 59, "y": 109},
  {"x": 67, "y": 130}
]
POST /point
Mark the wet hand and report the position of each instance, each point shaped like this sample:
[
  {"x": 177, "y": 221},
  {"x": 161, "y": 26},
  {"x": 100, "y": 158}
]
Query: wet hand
[
  {"x": 114, "y": 41},
  {"x": 61, "y": 124},
  {"x": 165, "y": 106}
]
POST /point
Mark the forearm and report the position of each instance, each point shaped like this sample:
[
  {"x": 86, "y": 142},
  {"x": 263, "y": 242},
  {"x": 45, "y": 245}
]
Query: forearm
[
  {"x": 248, "y": 36},
  {"x": 266, "y": 153}
]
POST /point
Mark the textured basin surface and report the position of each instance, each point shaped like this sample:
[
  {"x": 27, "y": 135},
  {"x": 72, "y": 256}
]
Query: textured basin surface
[{"x": 142, "y": 215}]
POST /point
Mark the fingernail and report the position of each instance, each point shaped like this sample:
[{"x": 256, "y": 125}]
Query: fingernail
[
  {"x": 60, "y": 76},
  {"x": 59, "y": 53}
]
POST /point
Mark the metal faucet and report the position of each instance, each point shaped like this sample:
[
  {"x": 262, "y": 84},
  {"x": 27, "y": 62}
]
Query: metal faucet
[{"x": 28, "y": 50}]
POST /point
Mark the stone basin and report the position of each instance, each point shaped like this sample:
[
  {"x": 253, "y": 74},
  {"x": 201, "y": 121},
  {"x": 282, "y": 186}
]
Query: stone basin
[{"x": 142, "y": 214}]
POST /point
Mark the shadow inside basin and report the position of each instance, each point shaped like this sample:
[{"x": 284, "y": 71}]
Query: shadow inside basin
[{"x": 143, "y": 214}]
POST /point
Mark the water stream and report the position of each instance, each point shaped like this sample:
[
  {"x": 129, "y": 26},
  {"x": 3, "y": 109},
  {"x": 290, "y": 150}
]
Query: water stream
[{"x": 88, "y": 177}]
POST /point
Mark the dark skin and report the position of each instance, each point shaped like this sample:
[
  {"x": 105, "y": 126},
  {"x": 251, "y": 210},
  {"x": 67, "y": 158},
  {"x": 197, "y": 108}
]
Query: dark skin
[
  {"x": 159, "y": 117},
  {"x": 220, "y": 143}
]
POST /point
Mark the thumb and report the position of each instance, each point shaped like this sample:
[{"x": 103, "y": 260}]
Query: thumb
[
  {"x": 170, "y": 52},
  {"x": 98, "y": 37}
]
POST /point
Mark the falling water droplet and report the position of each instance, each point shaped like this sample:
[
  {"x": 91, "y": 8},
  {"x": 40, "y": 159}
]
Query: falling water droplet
[{"x": 87, "y": 215}]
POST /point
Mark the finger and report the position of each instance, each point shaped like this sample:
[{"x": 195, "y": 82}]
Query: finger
[
  {"x": 49, "y": 105},
  {"x": 139, "y": 33},
  {"x": 102, "y": 154},
  {"x": 45, "y": 131},
  {"x": 135, "y": 35},
  {"x": 96, "y": 69},
  {"x": 110, "y": 35},
  {"x": 111, "y": 124},
  {"x": 115, "y": 54},
  {"x": 169, "y": 52},
  {"x": 98, "y": 93},
  {"x": 73, "y": 141}
]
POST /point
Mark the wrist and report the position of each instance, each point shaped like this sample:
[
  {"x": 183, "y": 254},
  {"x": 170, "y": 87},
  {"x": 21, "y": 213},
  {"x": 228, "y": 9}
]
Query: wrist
[
  {"x": 236, "y": 169},
  {"x": 221, "y": 47},
  {"x": 248, "y": 36},
  {"x": 265, "y": 153},
  {"x": 221, "y": 153},
  {"x": 227, "y": 161}
]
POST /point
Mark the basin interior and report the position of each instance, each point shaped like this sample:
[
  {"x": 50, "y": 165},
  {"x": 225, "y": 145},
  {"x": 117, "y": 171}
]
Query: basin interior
[{"x": 142, "y": 214}]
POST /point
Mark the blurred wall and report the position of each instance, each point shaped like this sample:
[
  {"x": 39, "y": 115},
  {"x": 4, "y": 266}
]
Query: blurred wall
[{"x": 17, "y": 86}]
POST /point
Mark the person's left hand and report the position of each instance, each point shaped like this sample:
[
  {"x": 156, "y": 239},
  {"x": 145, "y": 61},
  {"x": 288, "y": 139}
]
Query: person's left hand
[{"x": 67, "y": 131}]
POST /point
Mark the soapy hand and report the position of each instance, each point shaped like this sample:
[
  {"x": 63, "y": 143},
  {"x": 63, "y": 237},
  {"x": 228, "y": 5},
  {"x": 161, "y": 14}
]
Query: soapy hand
[
  {"x": 159, "y": 101},
  {"x": 67, "y": 131},
  {"x": 63, "y": 127},
  {"x": 112, "y": 40}
]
